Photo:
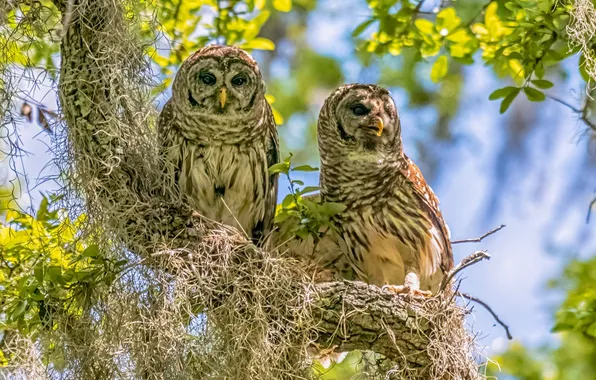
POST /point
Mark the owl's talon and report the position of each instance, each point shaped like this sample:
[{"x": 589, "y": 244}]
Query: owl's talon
[{"x": 407, "y": 290}]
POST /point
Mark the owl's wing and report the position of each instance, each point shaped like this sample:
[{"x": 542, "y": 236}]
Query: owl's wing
[
  {"x": 430, "y": 203},
  {"x": 272, "y": 146}
]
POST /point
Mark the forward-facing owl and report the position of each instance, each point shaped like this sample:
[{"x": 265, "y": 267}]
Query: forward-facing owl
[
  {"x": 391, "y": 230},
  {"x": 219, "y": 139}
]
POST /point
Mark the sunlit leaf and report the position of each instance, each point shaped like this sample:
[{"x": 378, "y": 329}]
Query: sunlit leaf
[
  {"x": 281, "y": 167},
  {"x": 439, "y": 69},
  {"x": 425, "y": 26},
  {"x": 282, "y": 5},
  {"x": 362, "y": 27},
  {"x": 305, "y": 168},
  {"x": 259, "y": 43}
]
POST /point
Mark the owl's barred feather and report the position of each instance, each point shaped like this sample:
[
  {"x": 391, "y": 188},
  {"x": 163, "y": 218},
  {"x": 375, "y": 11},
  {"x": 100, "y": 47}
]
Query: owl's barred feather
[
  {"x": 217, "y": 153},
  {"x": 392, "y": 225}
]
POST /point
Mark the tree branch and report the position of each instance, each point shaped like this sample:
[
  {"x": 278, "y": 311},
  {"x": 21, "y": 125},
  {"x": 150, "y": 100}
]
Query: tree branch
[
  {"x": 357, "y": 316},
  {"x": 488, "y": 308},
  {"x": 468, "y": 261},
  {"x": 583, "y": 115},
  {"x": 590, "y": 207},
  {"x": 479, "y": 239}
]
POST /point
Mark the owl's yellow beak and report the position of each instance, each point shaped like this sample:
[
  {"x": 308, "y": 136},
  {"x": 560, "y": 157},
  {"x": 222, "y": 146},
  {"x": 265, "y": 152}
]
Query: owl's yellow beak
[
  {"x": 223, "y": 96},
  {"x": 379, "y": 125}
]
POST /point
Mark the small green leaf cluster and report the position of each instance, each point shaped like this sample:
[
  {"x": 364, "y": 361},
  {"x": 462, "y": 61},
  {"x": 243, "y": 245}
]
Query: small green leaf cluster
[
  {"x": 47, "y": 270},
  {"x": 572, "y": 355},
  {"x": 184, "y": 25},
  {"x": 578, "y": 311},
  {"x": 299, "y": 214},
  {"x": 517, "y": 38}
]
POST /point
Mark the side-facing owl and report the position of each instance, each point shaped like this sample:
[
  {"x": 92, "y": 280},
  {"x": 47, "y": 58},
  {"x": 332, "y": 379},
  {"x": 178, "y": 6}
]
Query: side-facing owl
[
  {"x": 219, "y": 139},
  {"x": 391, "y": 230}
]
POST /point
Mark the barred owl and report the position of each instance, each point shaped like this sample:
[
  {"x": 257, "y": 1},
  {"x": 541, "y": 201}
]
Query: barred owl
[
  {"x": 219, "y": 139},
  {"x": 392, "y": 231}
]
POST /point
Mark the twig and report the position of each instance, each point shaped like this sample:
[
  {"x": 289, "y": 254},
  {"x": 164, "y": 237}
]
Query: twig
[
  {"x": 590, "y": 207},
  {"x": 495, "y": 316},
  {"x": 468, "y": 261},
  {"x": 479, "y": 239},
  {"x": 581, "y": 112}
]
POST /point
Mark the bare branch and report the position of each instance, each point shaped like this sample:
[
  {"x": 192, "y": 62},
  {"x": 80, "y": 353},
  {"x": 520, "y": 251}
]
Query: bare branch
[
  {"x": 590, "y": 207},
  {"x": 479, "y": 239},
  {"x": 582, "y": 113},
  {"x": 495, "y": 316},
  {"x": 468, "y": 261}
]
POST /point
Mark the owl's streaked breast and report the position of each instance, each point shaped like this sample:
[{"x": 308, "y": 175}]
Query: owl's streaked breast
[
  {"x": 384, "y": 232},
  {"x": 226, "y": 183}
]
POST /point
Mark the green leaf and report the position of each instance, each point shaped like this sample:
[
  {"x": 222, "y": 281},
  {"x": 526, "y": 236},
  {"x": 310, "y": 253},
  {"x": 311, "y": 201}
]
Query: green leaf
[
  {"x": 288, "y": 201},
  {"x": 38, "y": 273},
  {"x": 309, "y": 189},
  {"x": 582, "y": 68},
  {"x": 508, "y": 100},
  {"x": 534, "y": 95},
  {"x": 55, "y": 273},
  {"x": 91, "y": 251},
  {"x": 332, "y": 208},
  {"x": 281, "y": 217},
  {"x": 297, "y": 182},
  {"x": 447, "y": 18},
  {"x": 282, "y": 167},
  {"x": 282, "y": 5},
  {"x": 439, "y": 69},
  {"x": 542, "y": 83},
  {"x": 425, "y": 26},
  {"x": 18, "y": 310},
  {"x": 302, "y": 233},
  {"x": 592, "y": 330},
  {"x": 259, "y": 43},
  {"x": 501, "y": 92},
  {"x": 43, "y": 209},
  {"x": 539, "y": 70},
  {"x": 362, "y": 27},
  {"x": 555, "y": 55},
  {"x": 304, "y": 168}
]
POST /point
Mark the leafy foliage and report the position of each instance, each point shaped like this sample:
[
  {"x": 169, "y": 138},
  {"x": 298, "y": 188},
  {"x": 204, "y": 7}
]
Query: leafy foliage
[
  {"x": 518, "y": 38},
  {"x": 47, "y": 269},
  {"x": 299, "y": 214},
  {"x": 576, "y": 325},
  {"x": 578, "y": 311}
]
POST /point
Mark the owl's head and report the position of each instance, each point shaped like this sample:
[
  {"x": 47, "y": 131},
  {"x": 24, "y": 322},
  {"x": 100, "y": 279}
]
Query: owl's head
[
  {"x": 219, "y": 80},
  {"x": 359, "y": 119}
]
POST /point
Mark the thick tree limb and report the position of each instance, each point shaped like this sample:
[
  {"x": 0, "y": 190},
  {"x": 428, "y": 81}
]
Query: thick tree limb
[{"x": 413, "y": 333}]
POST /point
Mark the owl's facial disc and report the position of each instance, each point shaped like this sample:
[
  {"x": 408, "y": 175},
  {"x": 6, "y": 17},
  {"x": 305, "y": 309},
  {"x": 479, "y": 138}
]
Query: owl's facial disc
[
  {"x": 369, "y": 119},
  {"x": 225, "y": 87}
]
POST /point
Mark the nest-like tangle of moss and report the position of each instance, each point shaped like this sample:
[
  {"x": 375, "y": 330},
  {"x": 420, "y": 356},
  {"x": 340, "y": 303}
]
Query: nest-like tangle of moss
[{"x": 196, "y": 299}]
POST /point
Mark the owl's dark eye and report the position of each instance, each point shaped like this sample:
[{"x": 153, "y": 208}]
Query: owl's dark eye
[
  {"x": 207, "y": 78},
  {"x": 238, "y": 80},
  {"x": 359, "y": 109}
]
